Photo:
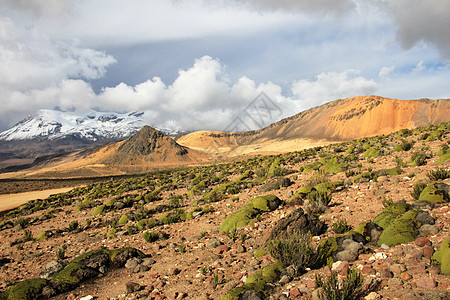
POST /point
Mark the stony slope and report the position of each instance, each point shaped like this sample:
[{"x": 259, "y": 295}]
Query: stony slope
[
  {"x": 339, "y": 120},
  {"x": 175, "y": 218},
  {"x": 148, "y": 149}
]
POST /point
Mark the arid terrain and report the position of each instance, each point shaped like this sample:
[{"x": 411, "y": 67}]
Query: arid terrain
[
  {"x": 337, "y": 121},
  {"x": 376, "y": 207}
]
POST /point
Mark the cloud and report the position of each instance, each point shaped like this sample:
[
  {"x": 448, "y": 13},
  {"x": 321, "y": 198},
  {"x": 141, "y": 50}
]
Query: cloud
[
  {"x": 322, "y": 6},
  {"x": 29, "y": 59},
  {"x": 39, "y": 8},
  {"x": 201, "y": 97},
  {"x": 332, "y": 85},
  {"x": 421, "y": 20},
  {"x": 385, "y": 72}
]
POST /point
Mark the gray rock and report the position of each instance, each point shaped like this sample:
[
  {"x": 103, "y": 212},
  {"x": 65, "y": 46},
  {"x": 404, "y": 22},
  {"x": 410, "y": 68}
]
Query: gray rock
[
  {"x": 119, "y": 205},
  {"x": 424, "y": 218},
  {"x": 133, "y": 287},
  {"x": 352, "y": 246},
  {"x": 196, "y": 214},
  {"x": 318, "y": 294},
  {"x": 252, "y": 295},
  {"x": 428, "y": 229},
  {"x": 132, "y": 263},
  {"x": 347, "y": 255},
  {"x": 285, "y": 279},
  {"x": 213, "y": 243},
  {"x": 52, "y": 268},
  {"x": 141, "y": 268},
  {"x": 148, "y": 262},
  {"x": 300, "y": 222}
]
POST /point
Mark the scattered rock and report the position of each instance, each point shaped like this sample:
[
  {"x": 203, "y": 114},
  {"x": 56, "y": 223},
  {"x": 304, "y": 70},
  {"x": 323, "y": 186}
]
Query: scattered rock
[
  {"x": 300, "y": 222},
  {"x": 427, "y": 230},
  {"x": 425, "y": 283},
  {"x": 132, "y": 263},
  {"x": 52, "y": 268},
  {"x": 133, "y": 287},
  {"x": 422, "y": 241}
]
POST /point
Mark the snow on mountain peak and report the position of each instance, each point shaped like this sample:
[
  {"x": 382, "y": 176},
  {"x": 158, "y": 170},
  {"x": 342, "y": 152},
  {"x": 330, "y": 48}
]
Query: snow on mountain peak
[{"x": 52, "y": 124}]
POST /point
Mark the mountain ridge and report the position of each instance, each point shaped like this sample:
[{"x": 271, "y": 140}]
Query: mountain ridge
[{"x": 338, "y": 120}]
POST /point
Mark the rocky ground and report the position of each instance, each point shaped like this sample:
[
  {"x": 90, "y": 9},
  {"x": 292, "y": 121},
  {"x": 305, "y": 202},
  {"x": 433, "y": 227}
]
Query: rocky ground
[{"x": 192, "y": 259}]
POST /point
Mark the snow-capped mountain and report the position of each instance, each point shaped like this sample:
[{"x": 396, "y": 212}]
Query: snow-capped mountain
[{"x": 93, "y": 126}]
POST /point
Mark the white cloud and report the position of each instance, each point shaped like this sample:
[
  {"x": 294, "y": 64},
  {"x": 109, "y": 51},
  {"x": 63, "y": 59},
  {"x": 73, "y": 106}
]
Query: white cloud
[
  {"x": 30, "y": 59},
  {"x": 385, "y": 72},
  {"x": 332, "y": 85}
]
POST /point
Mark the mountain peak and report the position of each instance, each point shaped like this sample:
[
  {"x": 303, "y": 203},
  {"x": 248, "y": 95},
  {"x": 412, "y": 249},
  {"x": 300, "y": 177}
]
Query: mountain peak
[
  {"x": 49, "y": 124},
  {"x": 149, "y": 144}
]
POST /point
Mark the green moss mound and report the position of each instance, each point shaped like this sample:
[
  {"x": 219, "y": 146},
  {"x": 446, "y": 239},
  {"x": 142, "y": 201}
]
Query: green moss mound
[
  {"x": 403, "y": 229},
  {"x": 259, "y": 253},
  {"x": 328, "y": 186},
  {"x": 390, "y": 213},
  {"x": 123, "y": 220},
  {"x": 325, "y": 251},
  {"x": 442, "y": 256},
  {"x": 302, "y": 192},
  {"x": 98, "y": 210},
  {"x": 333, "y": 166},
  {"x": 444, "y": 158},
  {"x": 371, "y": 152},
  {"x": 445, "y": 256},
  {"x": 244, "y": 216},
  {"x": 360, "y": 177},
  {"x": 432, "y": 194},
  {"x": 256, "y": 282},
  {"x": 27, "y": 289}
]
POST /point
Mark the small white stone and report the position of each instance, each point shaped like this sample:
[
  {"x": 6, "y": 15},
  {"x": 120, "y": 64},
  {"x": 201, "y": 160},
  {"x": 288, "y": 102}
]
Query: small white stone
[{"x": 89, "y": 297}]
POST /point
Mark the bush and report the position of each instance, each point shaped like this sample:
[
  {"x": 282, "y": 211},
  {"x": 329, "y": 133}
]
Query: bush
[
  {"x": 417, "y": 190},
  {"x": 438, "y": 174},
  {"x": 293, "y": 249},
  {"x": 319, "y": 198},
  {"x": 27, "y": 235},
  {"x": 348, "y": 289},
  {"x": 151, "y": 236},
  {"x": 23, "y": 222},
  {"x": 319, "y": 177},
  {"x": 419, "y": 158},
  {"x": 73, "y": 225},
  {"x": 341, "y": 226}
]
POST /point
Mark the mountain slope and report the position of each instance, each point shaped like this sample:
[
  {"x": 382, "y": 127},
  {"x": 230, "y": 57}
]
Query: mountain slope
[
  {"x": 148, "y": 145},
  {"x": 50, "y": 124},
  {"x": 339, "y": 120},
  {"x": 148, "y": 149}
]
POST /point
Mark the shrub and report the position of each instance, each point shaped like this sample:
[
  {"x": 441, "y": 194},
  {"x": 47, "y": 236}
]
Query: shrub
[
  {"x": 417, "y": 190},
  {"x": 73, "y": 225},
  {"x": 23, "y": 222},
  {"x": 293, "y": 249},
  {"x": 319, "y": 198},
  {"x": 27, "y": 235},
  {"x": 61, "y": 252},
  {"x": 341, "y": 226},
  {"x": 348, "y": 289},
  {"x": 151, "y": 236},
  {"x": 319, "y": 177},
  {"x": 438, "y": 174},
  {"x": 419, "y": 158}
]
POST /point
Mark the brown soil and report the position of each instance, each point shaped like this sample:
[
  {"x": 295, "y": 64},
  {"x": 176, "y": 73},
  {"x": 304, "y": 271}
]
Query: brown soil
[{"x": 188, "y": 265}]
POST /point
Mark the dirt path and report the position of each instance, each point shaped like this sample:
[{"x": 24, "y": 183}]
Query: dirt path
[{"x": 10, "y": 201}]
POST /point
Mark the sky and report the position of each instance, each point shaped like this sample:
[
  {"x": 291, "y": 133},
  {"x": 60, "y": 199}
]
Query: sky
[{"x": 197, "y": 64}]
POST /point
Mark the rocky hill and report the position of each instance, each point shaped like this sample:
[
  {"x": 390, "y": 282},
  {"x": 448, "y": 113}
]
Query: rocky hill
[
  {"x": 339, "y": 120},
  {"x": 148, "y": 149},
  {"x": 51, "y": 132},
  {"x": 368, "y": 218}
]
